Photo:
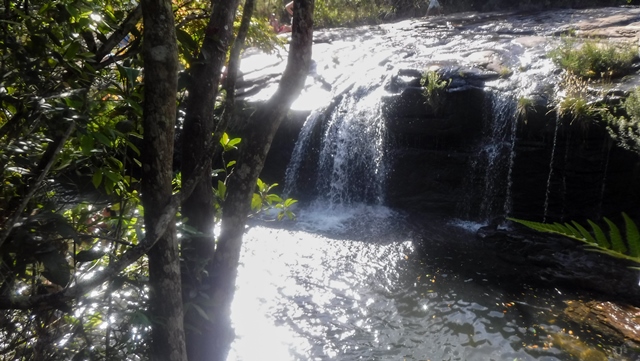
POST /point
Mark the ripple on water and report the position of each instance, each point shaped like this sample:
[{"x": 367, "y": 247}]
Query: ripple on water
[{"x": 318, "y": 295}]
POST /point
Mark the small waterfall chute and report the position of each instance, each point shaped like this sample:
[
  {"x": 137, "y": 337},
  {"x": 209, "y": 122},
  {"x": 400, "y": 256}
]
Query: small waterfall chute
[{"x": 351, "y": 157}]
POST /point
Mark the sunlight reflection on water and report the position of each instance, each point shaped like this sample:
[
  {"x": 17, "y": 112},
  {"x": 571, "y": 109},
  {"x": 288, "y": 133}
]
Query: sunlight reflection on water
[{"x": 369, "y": 294}]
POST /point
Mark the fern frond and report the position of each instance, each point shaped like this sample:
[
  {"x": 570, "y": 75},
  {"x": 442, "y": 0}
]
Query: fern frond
[
  {"x": 633, "y": 236},
  {"x": 583, "y": 231},
  {"x": 601, "y": 239},
  {"x": 617, "y": 244},
  {"x": 556, "y": 228},
  {"x": 575, "y": 232},
  {"x": 598, "y": 242}
]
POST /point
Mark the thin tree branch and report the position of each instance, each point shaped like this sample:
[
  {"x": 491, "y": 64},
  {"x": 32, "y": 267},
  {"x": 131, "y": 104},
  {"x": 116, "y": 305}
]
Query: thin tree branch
[
  {"x": 116, "y": 37},
  {"x": 192, "y": 17},
  {"x": 47, "y": 162}
]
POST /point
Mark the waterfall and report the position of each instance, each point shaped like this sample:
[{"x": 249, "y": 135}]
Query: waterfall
[
  {"x": 351, "y": 161},
  {"x": 300, "y": 152},
  {"x": 491, "y": 168}
]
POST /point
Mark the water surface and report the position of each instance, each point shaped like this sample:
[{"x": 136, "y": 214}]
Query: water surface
[{"x": 363, "y": 283}]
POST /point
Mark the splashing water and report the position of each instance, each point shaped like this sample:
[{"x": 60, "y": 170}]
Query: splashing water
[{"x": 351, "y": 164}]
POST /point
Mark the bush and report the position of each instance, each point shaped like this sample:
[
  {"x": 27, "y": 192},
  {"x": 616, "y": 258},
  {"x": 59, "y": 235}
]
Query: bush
[{"x": 594, "y": 59}]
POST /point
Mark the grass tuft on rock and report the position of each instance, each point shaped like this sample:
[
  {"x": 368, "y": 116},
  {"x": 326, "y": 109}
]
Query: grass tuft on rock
[{"x": 594, "y": 59}]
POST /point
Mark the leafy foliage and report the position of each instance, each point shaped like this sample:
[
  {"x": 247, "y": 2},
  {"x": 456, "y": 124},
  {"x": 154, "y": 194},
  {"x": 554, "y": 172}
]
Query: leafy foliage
[
  {"x": 434, "y": 88},
  {"x": 626, "y": 127},
  {"x": 614, "y": 244}
]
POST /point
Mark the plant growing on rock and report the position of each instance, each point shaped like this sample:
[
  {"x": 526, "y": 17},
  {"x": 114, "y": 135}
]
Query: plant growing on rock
[
  {"x": 434, "y": 88},
  {"x": 505, "y": 72},
  {"x": 525, "y": 105},
  {"x": 627, "y": 128},
  {"x": 575, "y": 100},
  {"x": 594, "y": 59}
]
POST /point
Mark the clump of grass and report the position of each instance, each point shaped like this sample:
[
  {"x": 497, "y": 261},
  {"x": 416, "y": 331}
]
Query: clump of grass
[
  {"x": 594, "y": 59},
  {"x": 575, "y": 102},
  {"x": 505, "y": 72},
  {"x": 525, "y": 105},
  {"x": 434, "y": 88}
]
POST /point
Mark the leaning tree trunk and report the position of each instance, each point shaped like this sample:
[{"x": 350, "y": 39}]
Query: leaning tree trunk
[
  {"x": 198, "y": 209},
  {"x": 160, "y": 77},
  {"x": 262, "y": 127}
]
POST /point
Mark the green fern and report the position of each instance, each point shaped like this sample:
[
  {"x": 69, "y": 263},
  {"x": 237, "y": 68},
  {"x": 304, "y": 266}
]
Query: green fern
[
  {"x": 614, "y": 245},
  {"x": 633, "y": 236}
]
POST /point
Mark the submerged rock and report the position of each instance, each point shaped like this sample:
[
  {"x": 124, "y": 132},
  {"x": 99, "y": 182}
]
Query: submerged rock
[{"x": 620, "y": 321}]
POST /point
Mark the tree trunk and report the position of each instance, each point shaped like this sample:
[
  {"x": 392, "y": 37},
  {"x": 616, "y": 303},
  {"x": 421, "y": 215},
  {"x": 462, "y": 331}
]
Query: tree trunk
[
  {"x": 234, "y": 65},
  {"x": 197, "y": 250},
  {"x": 160, "y": 77},
  {"x": 254, "y": 148}
]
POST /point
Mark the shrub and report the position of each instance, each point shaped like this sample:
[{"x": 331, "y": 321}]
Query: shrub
[
  {"x": 626, "y": 129},
  {"x": 434, "y": 88},
  {"x": 594, "y": 59}
]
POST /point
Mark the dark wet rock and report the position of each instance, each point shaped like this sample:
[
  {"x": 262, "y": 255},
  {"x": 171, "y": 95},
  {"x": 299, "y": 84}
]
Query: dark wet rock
[
  {"x": 559, "y": 261},
  {"x": 616, "y": 320}
]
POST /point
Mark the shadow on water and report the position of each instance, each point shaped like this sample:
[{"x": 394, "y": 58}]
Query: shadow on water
[{"x": 374, "y": 285}]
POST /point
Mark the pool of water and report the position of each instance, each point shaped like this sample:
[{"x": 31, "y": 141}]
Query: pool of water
[{"x": 364, "y": 283}]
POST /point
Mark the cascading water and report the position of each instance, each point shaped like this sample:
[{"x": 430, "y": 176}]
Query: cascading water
[
  {"x": 493, "y": 163},
  {"x": 351, "y": 166}
]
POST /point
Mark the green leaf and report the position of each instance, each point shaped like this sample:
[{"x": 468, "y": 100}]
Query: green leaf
[
  {"x": 231, "y": 164},
  {"x": 573, "y": 230},
  {"x": 617, "y": 244},
  {"x": 256, "y": 202},
  {"x": 97, "y": 178},
  {"x": 112, "y": 176},
  {"x": 102, "y": 138},
  {"x": 87, "y": 143},
  {"x": 633, "y": 236},
  {"x": 601, "y": 239},
  {"x": 289, "y": 202},
  {"x": 224, "y": 139},
  {"x": 186, "y": 40},
  {"x": 261, "y": 185},
  {"x": 273, "y": 198},
  {"x": 587, "y": 236},
  {"x": 133, "y": 147},
  {"x": 84, "y": 22},
  {"x": 222, "y": 190},
  {"x": 73, "y": 11},
  {"x": 72, "y": 50},
  {"x": 234, "y": 141}
]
